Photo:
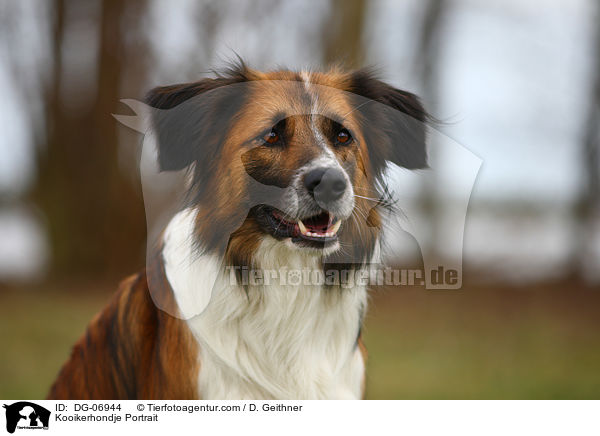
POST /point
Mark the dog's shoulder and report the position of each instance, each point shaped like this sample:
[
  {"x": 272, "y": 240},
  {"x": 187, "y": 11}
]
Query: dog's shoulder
[{"x": 130, "y": 350}]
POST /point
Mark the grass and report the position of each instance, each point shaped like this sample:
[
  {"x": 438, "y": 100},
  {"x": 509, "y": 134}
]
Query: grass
[
  {"x": 482, "y": 343},
  {"x": 477, "y": 343},
  {"x": 37, "y": 330}
]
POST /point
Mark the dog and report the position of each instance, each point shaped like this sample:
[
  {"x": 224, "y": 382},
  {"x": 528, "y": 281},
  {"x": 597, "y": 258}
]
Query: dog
[{"x": 285, "y": 172}]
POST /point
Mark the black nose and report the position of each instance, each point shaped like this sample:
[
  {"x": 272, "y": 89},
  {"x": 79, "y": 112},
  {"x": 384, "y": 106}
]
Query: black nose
[{"x": 325, "y": 184}]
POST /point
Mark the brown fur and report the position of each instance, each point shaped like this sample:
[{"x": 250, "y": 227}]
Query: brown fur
[
  {"x": 131, "y": 350},
  {"x": 226, "y": 196}
]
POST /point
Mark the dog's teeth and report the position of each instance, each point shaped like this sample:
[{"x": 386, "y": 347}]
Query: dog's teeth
[
  {"x": 302, "y": 227},
  {"x": 336, "y": 227},
  {"x": 330, "y": 234}
]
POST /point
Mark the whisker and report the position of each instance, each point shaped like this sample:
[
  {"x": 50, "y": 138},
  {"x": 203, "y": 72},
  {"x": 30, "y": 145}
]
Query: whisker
[
  {"x": 358, "y": 107},
  {"x": 368, "y": 198},
  {"x": 355, "y": 218}
]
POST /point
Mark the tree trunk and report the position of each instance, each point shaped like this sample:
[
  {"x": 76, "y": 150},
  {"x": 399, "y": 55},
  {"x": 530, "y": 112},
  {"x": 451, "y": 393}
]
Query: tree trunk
[
  {"x": 95, "y": 216},
  {"x": 342, "y": 38},
  {"x": 427, "y": 67},
  {"x": 587, "y": 206}
]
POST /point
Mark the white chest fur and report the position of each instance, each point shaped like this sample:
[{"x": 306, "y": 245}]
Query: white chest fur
[{"x": 277, "y": 341}]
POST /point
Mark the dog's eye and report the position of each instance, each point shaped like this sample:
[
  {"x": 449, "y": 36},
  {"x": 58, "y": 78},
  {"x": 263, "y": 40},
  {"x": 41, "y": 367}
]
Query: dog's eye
[
  {"x": 343, "y": 137},
  {"x": 272, "y": 137}
]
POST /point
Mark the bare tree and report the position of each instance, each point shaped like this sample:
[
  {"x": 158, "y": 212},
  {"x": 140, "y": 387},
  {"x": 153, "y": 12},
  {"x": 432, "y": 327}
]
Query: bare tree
[
  {"x": 342, "y": 36},
  {"x": 427, "y": 63},
  {"x": 95, "y": 216},
  {"x": 587, "y": 208}
]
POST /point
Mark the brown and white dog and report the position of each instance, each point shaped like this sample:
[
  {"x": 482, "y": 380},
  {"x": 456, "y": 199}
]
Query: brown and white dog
[{"x": 285, "y": 172}]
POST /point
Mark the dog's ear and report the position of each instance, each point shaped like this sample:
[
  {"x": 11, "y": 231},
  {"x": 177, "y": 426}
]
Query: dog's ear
[
  {"x": 191, "y": 120},
  {"x": 394, "y": 122}
]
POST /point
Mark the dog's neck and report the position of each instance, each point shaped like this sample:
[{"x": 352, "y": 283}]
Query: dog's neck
[{"x": 282, "y": 338}]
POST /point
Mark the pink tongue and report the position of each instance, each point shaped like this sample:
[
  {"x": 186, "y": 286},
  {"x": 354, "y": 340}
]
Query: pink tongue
[{"x": 318, "y": 224}]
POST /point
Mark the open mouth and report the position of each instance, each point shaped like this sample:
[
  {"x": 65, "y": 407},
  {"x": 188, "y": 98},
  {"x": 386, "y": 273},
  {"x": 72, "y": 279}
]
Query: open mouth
[{"x": 317, "y": 229}]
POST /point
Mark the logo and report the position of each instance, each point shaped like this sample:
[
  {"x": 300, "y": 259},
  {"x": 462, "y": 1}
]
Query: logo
[{"x": 26, "y": 415}]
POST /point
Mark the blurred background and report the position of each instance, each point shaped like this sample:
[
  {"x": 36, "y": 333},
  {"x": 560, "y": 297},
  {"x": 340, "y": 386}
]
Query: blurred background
[{"x": 516, "y": 83}]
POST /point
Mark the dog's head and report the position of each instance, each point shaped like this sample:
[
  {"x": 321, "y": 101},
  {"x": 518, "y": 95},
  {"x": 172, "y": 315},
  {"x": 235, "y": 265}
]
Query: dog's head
[{"x": 297, "y": 157}]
